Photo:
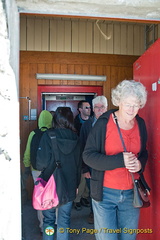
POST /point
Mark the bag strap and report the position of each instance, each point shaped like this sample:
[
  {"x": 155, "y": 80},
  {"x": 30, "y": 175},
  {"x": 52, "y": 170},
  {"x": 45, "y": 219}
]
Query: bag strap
[
  {"x": 119, "y": 131},
  {"x": 141, "y": 174},
  {"x": 52, "y": 136},
  {"x": 120, "y": 134}
]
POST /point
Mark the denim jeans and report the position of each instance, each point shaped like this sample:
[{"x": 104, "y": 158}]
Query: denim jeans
[
  {"x": 115, "y": 218},
  {"x": 63, "y": 222}
]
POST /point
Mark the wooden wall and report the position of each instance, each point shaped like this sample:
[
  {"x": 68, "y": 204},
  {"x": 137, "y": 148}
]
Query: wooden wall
[
  {"x": 115, "y": 67},
  {"x": 81, "y": 35}
]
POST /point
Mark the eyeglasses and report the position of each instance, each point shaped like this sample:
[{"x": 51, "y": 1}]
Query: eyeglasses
[
  {"x": 87, "y": 107},
  {"x": 128, "y": 106},
  {"x": 101, "y": 107}
]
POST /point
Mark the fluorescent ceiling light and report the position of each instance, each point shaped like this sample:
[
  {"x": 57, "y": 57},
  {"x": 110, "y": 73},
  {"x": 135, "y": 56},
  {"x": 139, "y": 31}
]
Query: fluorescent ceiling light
[{"x": 70, "y": 77}]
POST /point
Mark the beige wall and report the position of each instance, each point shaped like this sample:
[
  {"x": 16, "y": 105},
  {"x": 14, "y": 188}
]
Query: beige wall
[{"x": 81, "y": 35}]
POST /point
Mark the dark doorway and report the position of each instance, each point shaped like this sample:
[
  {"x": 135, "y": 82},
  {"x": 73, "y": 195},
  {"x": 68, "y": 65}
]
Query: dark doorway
[{"x": 50, "y": 97}]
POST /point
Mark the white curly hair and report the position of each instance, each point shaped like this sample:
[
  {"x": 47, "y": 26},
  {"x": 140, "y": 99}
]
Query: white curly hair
[{"x": 128, "y": 88}]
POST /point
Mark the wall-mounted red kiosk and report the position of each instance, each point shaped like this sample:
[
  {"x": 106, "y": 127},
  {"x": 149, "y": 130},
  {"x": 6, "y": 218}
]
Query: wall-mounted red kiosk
[{"x": 147, "y": 71}]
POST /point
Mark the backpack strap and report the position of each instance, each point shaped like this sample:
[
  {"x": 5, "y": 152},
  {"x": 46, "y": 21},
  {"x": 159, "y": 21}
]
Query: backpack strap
[{"x": 55, "y": 149}]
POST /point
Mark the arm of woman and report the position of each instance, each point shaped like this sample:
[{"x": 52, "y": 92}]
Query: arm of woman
[
  {"x": 94, "y": 153},
  {"x": 143, "y": 154}
]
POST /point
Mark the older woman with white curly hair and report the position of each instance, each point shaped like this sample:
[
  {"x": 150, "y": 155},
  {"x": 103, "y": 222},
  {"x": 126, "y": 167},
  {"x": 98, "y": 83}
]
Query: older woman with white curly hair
[{"x": 111, "y": 180}]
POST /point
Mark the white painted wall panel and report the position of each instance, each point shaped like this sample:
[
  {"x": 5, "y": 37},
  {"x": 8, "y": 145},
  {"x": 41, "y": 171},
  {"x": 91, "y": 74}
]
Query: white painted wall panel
[
  {"x": 23, "y": 33},
  {"x": 96, "y": 39},
  {"x": 38, "y": 35},
  {"x": 89, "y": 37},
  {"x": 81, "y": 35},
  {"x": 45, "y": 34},
  {"x": 53, "y": 35},
  {"x": 103, "y": 41},
  {"x": 30, "y": 34},
  {"x": 75, "y": 36},
  {"x": 67, "y": 36},
  {"x": 117, "y": 38},
  {"x": 123, "y": 38},
  {"x": 60, "y": 36},
  {"x": 130, "y": 34},
  {"x": 111, "y": 37}
]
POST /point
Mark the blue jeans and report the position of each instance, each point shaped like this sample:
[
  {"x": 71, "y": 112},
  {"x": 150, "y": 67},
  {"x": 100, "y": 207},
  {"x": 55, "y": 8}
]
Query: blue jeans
[
  {"x": 115, "y": 218},
  {"x": 63, "y": 222}
]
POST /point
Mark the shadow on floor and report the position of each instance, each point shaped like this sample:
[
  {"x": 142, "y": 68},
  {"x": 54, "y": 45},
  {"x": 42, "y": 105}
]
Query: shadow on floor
[{"x": 30, "y": 225}]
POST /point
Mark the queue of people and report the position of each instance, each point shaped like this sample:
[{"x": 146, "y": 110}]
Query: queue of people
[{"x": 95, "y": 159}]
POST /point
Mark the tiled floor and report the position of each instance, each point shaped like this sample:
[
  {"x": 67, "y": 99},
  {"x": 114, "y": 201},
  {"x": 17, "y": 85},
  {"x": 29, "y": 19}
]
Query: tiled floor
[{"x": 78, "y": 221}]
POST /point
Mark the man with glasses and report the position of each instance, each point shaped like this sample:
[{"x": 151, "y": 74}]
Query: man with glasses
[
  {"x": 84, "y": 109},
  {"x": 100, "y": 105}
]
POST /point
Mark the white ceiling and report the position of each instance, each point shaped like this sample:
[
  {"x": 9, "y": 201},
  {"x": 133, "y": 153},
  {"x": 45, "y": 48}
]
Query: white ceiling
[{"x": 121, "y": 9}]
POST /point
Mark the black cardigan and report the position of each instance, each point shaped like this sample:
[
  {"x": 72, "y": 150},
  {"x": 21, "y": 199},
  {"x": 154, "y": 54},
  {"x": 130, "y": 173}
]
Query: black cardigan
[{"x": 94, "y": 153}]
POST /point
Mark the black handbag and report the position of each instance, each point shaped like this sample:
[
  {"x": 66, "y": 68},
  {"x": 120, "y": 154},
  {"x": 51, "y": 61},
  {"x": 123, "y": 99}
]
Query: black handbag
[{"x": 140, "y": 187}]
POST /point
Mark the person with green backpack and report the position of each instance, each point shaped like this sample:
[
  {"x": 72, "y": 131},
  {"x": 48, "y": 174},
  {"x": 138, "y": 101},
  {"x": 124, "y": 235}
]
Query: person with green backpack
[{"x": 29, "y": 159}]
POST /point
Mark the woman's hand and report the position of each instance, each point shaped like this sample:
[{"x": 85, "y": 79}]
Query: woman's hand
[{"x": 131, "y": 162}]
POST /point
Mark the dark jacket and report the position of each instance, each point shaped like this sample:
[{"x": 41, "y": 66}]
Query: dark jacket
[
  {"x": 84, "y": 132},
  {"x": 69, "y": 156},
  {"x": 94, "y": 153},
  {"x": 78, "y": 122}
]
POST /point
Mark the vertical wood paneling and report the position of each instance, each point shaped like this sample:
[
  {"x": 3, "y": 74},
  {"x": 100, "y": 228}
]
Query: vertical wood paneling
[
  {"x": 85, "y": 71},
  {"x": 75, "y": 36},
  {"x": 67, "y": 36},
  {"x": 56, "y": 69},
  {"x": 100, "y": 71},
  {"x": 33, "y": 85},
  {"x": 136, "y": 38},
  {"x": 70, "y": 70},
  {"x": 106, "y": 86},
  {"x": 89, "y": 37},
  {"x": 110, "y": 41},
  {"x": 78, "y": 70},
  {"x": 60, "y": 36},
  {"x": 23, "y": 33},
  {"x": 102, "y": 39},
  {"x": 30, "y": 34},
  {"x": 141, "y": 40},
  {"x": 53, "y": 37},
  {"x": 41, "y": 69},
  {"x": 45, "y": 34},
  {"x": 82, "y": 36},
  {"x": 64, "y": 71},
  {"x": 117, "y": 38},
  {"x": 123, "y": 42},
  {"x": 96, "y": 39},
  {"x": 48, "y": 69},
  {"x": 38, "y": 35},
  {"x": 93, "y": 71},
  {"x": 130, "y": 40}
]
